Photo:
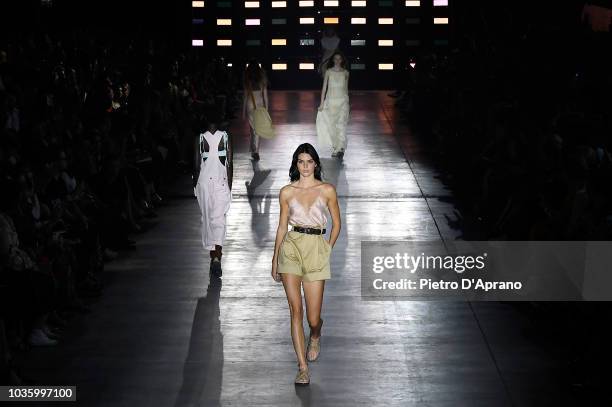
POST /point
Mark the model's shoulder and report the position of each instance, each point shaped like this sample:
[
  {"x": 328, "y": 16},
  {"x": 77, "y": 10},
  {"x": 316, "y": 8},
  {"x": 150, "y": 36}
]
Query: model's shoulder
[
  {"x": 286, "y": 191},
  {"x": 328, "y": 189}
]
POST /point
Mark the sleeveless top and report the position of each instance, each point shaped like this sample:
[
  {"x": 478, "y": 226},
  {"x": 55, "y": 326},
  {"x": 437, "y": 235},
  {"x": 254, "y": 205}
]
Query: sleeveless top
[
  {"x": 337, "y": 85},
  {"x": 221, "y": 153},
  {"x": 313, "y": 217}
]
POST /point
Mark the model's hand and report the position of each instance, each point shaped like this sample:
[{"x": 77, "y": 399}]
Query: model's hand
[{"x": 275, "y": 275}]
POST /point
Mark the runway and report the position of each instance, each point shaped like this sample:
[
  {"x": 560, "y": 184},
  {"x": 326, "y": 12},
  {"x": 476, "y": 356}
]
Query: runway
[{"x": 161, "y": 335}]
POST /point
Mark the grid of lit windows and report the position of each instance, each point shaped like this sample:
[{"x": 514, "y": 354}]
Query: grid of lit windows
[{"x": 376, "y": 36}]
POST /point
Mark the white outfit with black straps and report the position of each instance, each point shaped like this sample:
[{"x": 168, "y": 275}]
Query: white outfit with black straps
[{"x": 212, "y": 190}]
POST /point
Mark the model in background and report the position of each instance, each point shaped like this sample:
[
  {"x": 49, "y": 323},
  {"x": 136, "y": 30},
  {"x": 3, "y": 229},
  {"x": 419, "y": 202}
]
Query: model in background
[
  {"x": 329, "y": 44},
  {"x": 255, "y": 94},
  {"x": 213, "y": 156},
  {"x": 333, "y": 112}
]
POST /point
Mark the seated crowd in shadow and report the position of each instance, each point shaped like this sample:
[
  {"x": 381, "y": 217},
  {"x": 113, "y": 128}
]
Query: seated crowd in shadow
[
  {"x": 517, "y": 117},
  {"x": 91, "y": 131}
]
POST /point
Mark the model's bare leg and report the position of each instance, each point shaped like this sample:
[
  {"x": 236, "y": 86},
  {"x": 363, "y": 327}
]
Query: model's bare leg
[
  {"x": 313, "y": 294},
  {"x": 292, "y": 284}
]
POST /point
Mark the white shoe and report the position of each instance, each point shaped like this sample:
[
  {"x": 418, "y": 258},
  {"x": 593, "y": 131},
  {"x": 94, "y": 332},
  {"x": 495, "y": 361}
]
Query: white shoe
[{"x": 39, "y": 338}]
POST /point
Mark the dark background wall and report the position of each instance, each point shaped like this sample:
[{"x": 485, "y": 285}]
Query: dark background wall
[{"x": 548, "y": 31}]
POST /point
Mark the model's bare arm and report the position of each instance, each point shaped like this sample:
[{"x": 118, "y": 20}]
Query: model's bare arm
[
  {"x": 281, "y": 231},
  {"x": 265, "y": 95},
  {"x": 324, "y": 87},
  {"x": 334, "y": 211}
]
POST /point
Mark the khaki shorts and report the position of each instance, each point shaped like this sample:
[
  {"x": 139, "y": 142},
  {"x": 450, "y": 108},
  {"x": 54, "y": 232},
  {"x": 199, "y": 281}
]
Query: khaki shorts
[{"x": 305, "y": 255}]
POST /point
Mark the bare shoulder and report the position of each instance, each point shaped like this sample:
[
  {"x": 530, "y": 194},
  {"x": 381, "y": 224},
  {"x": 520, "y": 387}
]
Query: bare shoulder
[
  {"x": 328, "y": 190},
  {"x": 285, "y": 192}
]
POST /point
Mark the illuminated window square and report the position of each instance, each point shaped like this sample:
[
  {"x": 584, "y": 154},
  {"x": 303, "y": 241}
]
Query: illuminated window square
[
  {"x": 251, "y": 4},
  {"x": 306, "y": 3},
  {"x": 440, "y": 3},
  {"x": 385, "y": 43},
  {"x": 330, "y": 3},
  {"x": 229, "y": 64},
  {"x": 358, "y": 20},
  {"x": 306, "y": 65},
  {"x": 224, "y": 21},
  {"x": 252, "y": 21},
  {"x": 307, "y": 41},
  {"x": 385, "y": 21},
  {"x": 197, "y": 4},
  {"x": 279, "y": 67},
  {"x": 279, "y": 4},
  {"x": 197, "y": 43},
  {"x": 331, "y": 20},
  {"x": 385, "y": 67},
  {"x": 279, "y": 21},
  {"x": 358, "y": 43},
  {"x": 307, "y": 20},
  {"x": 441, "y": 20},
  {"x": 279, "y": 41},
  {"x": 224, "y": 43},
  {"x": 413, "y": 3},
  {"x": 358, "y": 3}
]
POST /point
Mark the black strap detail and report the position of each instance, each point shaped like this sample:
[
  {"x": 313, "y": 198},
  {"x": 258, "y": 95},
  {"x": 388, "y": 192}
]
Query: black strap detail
[{"x": 309, "y": 231}]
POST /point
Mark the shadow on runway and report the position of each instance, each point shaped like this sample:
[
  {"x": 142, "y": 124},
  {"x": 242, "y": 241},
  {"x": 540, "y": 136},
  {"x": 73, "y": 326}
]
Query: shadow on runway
[
  {"x": 260, "y": 204},
  {"x": 203, "y": 370},
  {"x": 310, "y": 395}
]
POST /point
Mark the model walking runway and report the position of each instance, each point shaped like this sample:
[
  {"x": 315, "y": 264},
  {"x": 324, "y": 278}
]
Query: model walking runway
[{"x": 173, "y": 337}]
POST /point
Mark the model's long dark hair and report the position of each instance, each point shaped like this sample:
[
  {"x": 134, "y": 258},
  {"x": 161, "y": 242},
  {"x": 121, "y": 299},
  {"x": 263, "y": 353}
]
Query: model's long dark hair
[
  {"x": 294, "y": 173},
  {"x": 330, "y": 61},
  {"x": 254, "y": 76}
]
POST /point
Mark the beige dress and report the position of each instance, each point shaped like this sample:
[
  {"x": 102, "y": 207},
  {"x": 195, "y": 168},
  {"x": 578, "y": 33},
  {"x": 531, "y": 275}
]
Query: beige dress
[{"x": 333, "y": 118}]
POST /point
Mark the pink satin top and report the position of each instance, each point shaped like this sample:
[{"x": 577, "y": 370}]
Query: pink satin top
[{"x": 315, "y": 216}]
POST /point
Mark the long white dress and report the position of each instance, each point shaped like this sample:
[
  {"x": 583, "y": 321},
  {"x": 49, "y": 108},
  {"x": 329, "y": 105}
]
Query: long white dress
[
  {"x": 212, "y": 190},
  {"x": 333, "y": 118}
]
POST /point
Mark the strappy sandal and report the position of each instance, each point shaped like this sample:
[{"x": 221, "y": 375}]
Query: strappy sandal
[
  {"x": 303, "y": 377},
  {"x": 314, "y": 345}
]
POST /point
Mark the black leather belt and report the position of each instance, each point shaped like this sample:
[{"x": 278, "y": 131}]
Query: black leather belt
[{"x": 309, "y": 231}]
